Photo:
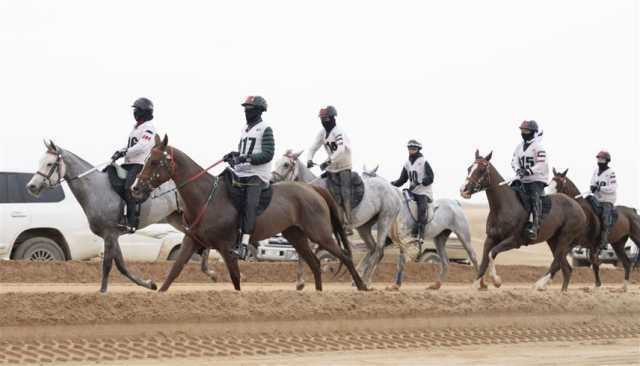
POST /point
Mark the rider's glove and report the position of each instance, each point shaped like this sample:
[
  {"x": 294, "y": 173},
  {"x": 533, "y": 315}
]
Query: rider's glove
[
  {"x": 324, "y": 165},
  {"x": 595, "y": 189},
  {"x": 118, "y": 154},
  {"x": 243, "y": 159},
  {"x": 230, "y": 157},
  {"x": 310, "y": 164},
  {"x": 523, "y": 172}
]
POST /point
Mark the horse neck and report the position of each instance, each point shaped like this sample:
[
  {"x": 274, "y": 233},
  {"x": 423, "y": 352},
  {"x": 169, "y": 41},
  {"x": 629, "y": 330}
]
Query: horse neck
[
  {"x": 304, "y": 174},
  {"x": 499, "y": 196},
  {"x": 194, "y": 194},
  {"x": 570, "y": 188},
  {"x": 81, "y": 188}
]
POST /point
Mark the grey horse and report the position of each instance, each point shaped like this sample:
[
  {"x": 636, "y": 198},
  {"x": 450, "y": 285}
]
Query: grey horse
[
  {"x": 380, "y": 206},
  {"x": 103, "y": 207},
  {"x": 446, "y": 216}
]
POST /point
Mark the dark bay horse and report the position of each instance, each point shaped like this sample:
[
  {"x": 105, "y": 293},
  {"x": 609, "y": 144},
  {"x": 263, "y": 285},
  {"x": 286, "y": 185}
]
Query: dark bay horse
[
  {"x": 507, "y": 218},
  {"x": 626, "y": 226},
  {"x": 299, "y": 211}
]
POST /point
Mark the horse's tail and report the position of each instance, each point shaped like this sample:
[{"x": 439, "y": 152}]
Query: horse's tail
[
  {"x": 634, "y": 228},
  {"x": 336, "y": 222}
]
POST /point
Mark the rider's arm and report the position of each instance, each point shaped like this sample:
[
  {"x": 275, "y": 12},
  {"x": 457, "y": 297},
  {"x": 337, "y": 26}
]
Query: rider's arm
[
  {"x": 539, "y": 162},
  {"x": 403, "y": 178},
  {"x": 515, "y": 161},
  {"x": 611, "y": 184},
  {"x": 144, "y": 144},
  {"x": 268, "y": 149},
  {"x": 317, "y": 143},
  {"x": 428, "y": 174}
]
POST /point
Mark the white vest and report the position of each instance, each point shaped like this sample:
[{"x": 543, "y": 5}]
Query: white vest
[
  {"x": 141, "y": 141},
  {"x": 416, "y": 174},
  {"x": 338, "y": 148},
  {"x": 251, "y": 143},
  {"x": 608, "y": 186},
  {"x": 534, "y": 160}
]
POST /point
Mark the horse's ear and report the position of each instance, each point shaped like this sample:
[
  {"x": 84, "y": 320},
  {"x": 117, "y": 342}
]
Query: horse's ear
[
  {"x": 477, "y": 154},
  {"x": 165, "y": 141},
  {"x": 46, "y": 144},
  {"x": 488, "y": 157},
  {"x": 53, "y": 146},
  {"x": 298, "y": 154},
  {"x": 157, "y": 139},
  {"x": 554, "y": 171},
  {"x": 564, "y": 174},
  {"x": 375, "y": 170}
]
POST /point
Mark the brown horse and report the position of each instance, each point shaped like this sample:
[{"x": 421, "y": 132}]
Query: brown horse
[
  {"x": 507, "y": 219},
  {"x": 627, "y": 225},
  {"x": 299, "y": 211}
]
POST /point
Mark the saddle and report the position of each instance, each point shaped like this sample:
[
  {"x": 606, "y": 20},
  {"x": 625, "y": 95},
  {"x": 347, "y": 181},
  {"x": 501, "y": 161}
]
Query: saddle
[
  {"x": 597, "y": 209},
  {"x": 524, "y": 200},
  {"x": 117, "y": 177},
  {"x": 357, "y": 188},
  {"x": 410, "y": 201},
  {"x": 237, "y": 192}
]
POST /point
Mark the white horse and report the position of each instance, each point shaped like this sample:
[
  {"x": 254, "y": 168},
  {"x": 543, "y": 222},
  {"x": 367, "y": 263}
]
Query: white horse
[
  {"x": 380, "y": 206},
  {"x": 445, "y": 216}
]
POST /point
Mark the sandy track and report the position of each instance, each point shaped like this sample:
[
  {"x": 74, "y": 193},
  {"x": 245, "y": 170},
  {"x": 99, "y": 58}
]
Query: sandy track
[{"x": 89, "y": 272}]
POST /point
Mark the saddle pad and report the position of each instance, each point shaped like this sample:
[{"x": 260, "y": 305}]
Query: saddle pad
[
  {"x": 524, "y": 200},
  {"x": 117, "y": 183},
  {"x": 357, "y": 188},
  {"x": 597, "y": 208},
  {"x": 238, "y": 193}
]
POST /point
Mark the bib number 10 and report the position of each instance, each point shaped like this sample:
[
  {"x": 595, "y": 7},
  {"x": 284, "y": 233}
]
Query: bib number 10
[{"x": 242, "y": 147}]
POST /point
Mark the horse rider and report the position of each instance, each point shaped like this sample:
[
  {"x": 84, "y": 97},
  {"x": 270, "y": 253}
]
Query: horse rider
[
  {"x": 252, "y": 165},
  {"x": 141, "y": 141},
  {"x": 604, "y": 186},
  {"x": 418, "y": 172},
  {"x": 338, "y": 164},
  {"x": 530, "y": 164}
]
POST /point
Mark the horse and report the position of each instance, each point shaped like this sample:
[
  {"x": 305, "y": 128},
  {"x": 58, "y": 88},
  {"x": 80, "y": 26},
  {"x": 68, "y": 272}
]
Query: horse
[
  {"x": 380, "y": 206},
  {"x": 103, "y": 207},
  {"x": 300, "y": 212},
  {"x": 560, "y": 228},
  {"x": 447, "y": 217},
  {"x": 626, "y": 226}
]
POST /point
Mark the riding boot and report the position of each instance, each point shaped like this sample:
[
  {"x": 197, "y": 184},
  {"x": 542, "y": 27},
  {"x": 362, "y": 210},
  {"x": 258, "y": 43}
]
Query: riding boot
[
  {"x": 133, "y": 207},
  {"x": 253, "y": 189},
  {"x": 133, "y": 216},
  {"x": 606, "y": 220},
  {"x": 536, "y": 210},
  {"x": 345, "y": 192},
  {"x": 422, "y": 206}
]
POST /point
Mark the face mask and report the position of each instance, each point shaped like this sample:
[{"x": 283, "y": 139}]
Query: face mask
[
  {"x": 527, "y": 136},
  {"x": 142, "y": 116},
  {"x": 328, "y": 124},
  {"x": 603, "y": 166},
  {"x": 252, "y": 115}
]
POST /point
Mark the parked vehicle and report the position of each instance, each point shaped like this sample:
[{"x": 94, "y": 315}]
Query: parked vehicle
[
  {"x": 152, "y": 243},
  {"x": 580, "y": 255}
]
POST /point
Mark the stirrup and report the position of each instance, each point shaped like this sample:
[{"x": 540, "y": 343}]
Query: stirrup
[
  {"x": 127, "y": 228},
  {"x": 241, "y": 251}
]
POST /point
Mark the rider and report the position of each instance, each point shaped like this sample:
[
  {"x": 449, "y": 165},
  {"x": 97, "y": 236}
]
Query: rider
[
  {"x": 603, "y": 187},
  {"x": 530, "y": 164},
  {"x": 140, "y": 143},
  {"x": 252, "y": 164},
  {"x": 338, "y": 164},
  {"x": 420, "y": 175}
]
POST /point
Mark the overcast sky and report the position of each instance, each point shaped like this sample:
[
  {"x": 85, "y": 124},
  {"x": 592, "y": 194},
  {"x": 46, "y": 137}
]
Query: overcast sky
[{"x": 456, "y": 75}]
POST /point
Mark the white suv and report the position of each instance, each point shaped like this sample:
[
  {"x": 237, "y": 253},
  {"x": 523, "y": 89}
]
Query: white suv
[{"x": 50, "y": 227}]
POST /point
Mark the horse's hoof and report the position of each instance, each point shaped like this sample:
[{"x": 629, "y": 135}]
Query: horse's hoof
[
  {"x": 103, "y": 290},
  {"x": 479, "y": 284},
  {"x": 300, "y": 287},
  {"x": 435, "y": 286},
  {"x": 497, "y": 281},
  {"x": 393, "y": 287},
  {"x": 212, "y": 276},
  {"x": 625, "y": 286},
  {"x": 152, "y": 285}
]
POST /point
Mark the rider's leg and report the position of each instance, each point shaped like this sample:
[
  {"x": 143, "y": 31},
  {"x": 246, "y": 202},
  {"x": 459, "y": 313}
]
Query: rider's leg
[
  {"x": 606, "y": 220},
  {"x": 253, "y": 189},
  {"x": 345, "y": 192},
  {"x": 132, "y": 205},
  {"x": 421, "y": 201},
  {"x": 535, "y": 191}
]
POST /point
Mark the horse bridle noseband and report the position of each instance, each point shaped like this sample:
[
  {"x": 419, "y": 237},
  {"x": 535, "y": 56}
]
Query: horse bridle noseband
[
  {"x": 167, "y": 162},
  {"x": 477, "y": 183},
  {"x": 54, "y": 167}
]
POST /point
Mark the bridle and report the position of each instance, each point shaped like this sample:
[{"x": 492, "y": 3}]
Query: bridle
[
  {"x": 477, "y": 184},
  {"x": 290, "y": 173},
  {"x": 167, "y": 162},
  {"x": 55, "y": 167}
]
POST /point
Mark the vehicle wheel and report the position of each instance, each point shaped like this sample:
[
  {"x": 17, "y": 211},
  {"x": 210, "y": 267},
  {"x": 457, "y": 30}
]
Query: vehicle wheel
[
  {"x": 579, "y": 263},
  {"x": 328, "y": 263},
  {"x": 39, "y": 250},
  {"x": 430, "y": 257},
  {"x": 174, "y": 254}
]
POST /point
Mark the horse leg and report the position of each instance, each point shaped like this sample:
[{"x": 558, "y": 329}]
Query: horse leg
[
  {"x": 120, "y": 264},
  {"x": 440, "y": 240},
  {"x": 299, "y": 240},
  {"x": 186, "y": 251},
  {"x": 618, "y": 247},
  {"x": 366, "y": 236},
  {"x": 504, "y": 245},
  {"x": 465, "y": 239},
  {"x": 402, "y": 260},
  {"x": 107, "y": 263},
  {"x": 300, "y": 274},
  {"x": 231, "y": 260},
  {"x": 566, "y": 268},
  {"x": 595, "y": 266},
  {"x": 204, "y": 265},
  {"x": 376, "y": 257},
  {"x": 329, "y": 244},
  {"x": 479, "y": 281}
]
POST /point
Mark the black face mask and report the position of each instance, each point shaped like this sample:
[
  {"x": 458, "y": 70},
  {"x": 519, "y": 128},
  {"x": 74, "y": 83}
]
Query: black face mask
[
  {"x": 603, "y": 166},
  {"x": 252, "y": 115},
  {"x": 142, "y": 115},
  {"x": 527, "y": 136},
  {"x": 328, "y": 124}
]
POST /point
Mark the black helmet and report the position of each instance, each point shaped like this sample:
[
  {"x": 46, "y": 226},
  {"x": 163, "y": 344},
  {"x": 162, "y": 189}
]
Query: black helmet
[
  {"x": 256, "y": 101},
  {"x": 604, "y": 155},
  {"x": 329, "y": 111},
  {"x": 414, "y": 144},
  {"x": 143, "y": 104},
  {"x": 529, "y": 125}
]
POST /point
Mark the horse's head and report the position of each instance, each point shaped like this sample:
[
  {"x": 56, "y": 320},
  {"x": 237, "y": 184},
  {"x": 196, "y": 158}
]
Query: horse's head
[
  {"x": 50, "y": 171},
  {"x": 478, "y": 177},
  {"x": 559, "y": 183},
  {"x": 286, "y": 168},
  {"x": 370, "y": 173},
  {"x": 158, "y": 169}
]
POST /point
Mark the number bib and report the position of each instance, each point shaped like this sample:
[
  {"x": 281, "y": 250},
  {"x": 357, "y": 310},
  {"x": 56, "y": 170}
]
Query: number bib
[{"x": 251, "y": 143}]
